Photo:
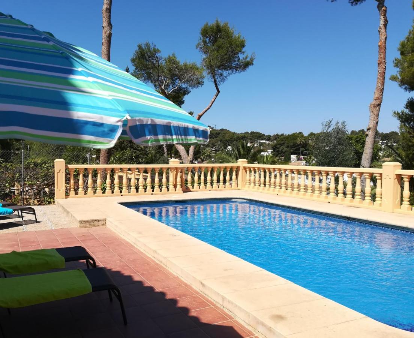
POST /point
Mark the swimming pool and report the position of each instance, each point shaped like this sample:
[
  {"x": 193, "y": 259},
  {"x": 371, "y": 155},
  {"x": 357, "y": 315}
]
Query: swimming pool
[{"x": 365, "y": 267}]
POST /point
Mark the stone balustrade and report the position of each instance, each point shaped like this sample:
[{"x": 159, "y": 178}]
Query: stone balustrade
[
  {"x": 336, "y": 185},
  {"x": 406, "y": 176},
  {"x": 146, "y": 179},
  {"x": 387, "y": 189}
]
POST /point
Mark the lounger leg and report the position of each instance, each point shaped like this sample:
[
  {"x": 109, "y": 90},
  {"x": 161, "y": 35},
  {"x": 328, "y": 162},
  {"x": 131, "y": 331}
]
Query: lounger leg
[
  {"x": 2, "y": 332},
  {"x": 118, "y": 295},
  {"x": 90, "y": 262}
]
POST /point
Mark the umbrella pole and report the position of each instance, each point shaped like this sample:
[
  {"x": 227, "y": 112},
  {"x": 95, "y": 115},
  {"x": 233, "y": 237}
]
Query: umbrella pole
[{"x": 22, "y": 181}]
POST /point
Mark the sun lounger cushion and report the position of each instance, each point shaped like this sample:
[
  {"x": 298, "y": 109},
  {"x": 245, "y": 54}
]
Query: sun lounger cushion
[
  {"x": 30, "y": 290},
  {"x": 26, "y": 262},
  {"x": 5, "y": 211}
]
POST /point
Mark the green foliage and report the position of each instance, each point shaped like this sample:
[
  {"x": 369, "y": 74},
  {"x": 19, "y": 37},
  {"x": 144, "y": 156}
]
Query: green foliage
[
  {"x": 286, "y": 145},
  {"x": 127, "y": 152},
  {"x": 245, "y": 150},
  {"x": 223, "y": 51},
  {"x": 405, "y": 64},
  {"x": 357, "y": 139},
  {"x": 404, "y": 151},
  {"x": 172, "y": 78},
  {"x": 332, "y": 147}
]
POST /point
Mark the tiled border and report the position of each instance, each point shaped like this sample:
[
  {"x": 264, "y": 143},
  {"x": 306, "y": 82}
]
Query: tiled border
[{"x": 270, "y": 304}]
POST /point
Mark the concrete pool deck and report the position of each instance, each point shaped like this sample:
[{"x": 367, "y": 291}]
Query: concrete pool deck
[{"x": 269, "y": 304}]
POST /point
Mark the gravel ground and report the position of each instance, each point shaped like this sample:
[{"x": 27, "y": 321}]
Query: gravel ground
[{"x": 48, "y": 216}]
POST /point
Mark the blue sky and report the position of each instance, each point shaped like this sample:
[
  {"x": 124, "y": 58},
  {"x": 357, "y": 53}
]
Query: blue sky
[{"x": 315, "y": 60}]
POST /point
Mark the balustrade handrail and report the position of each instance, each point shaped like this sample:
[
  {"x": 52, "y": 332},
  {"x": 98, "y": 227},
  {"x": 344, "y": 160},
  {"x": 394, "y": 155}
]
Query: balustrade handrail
[
  {"x": 147, "y": 166},
  {"x": 405, "y": 172},
  {"x": 317, "y": 168}
]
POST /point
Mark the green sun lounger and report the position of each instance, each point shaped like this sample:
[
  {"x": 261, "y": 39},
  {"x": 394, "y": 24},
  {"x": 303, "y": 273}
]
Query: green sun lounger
[
  {"x": 27, "y": 262},
  {"x": 23, "y": 291}
]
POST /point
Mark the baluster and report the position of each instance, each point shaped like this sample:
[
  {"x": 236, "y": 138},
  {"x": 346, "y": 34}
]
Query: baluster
[
  {"x": 189, "y": 178},
  {"x": 133, "y": 181},
  {"x": 378, "y": 191},
  {"x": 221, "y": 184},
  {"x": 283, "y": 181},
  {"x": 215, "y": 187},
  {"x": 248, "y": 185},
  {"x": 309, "y": 184},
  {"x": 367, "y": 190},
  {"x": 141, "y": 181},
  {"x": 268, "y": 181},
  {"x": 406, "y": 193},
  {"x": 256, "y": 179},
  {"x": 171, "y": 180},
  {"x": 324, "y": 186},
  {"x": 277, "y": 189},
  {"x": 124, "y": 181},
  {"x": 90, "y": 183},
  {"x": 99, "y": 182},
  {"x": 317, "y": 192},
  {"x": 71, "y": 183},
  {"x": 252, "y": 179},
  {"x": 357, "y": 198},
  {"x": 302, "y": 191},
  {"x": 289, "y": 182},
  {"x": 179, "y": 182},
  {"x": 209, "y": 186},
  {"x": 341, "y": 186},
  {"x": 81, "y": 191},
  {"x": 332, "y": 193},
  {"x": 262, "y": 179},
  {"x": 202, "y": 183},
  {"x": 272, "y": 181},
  {"x": 149, "y": 181},
  {"x": 196, "y": 186},
  {"x": 157, "y": 181},
  {"x": 108, "y": 190},
  {"x": 348, "y": 189},
  {"x": 296, "y": 182},
  {"x": 164, "y": 180},
  {"x": 116, "y": 182},
  {"x": 227, "y": 178},
  {"x": 234, "y": 178}
]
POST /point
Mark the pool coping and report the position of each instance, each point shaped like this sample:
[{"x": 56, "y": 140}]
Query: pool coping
[{"x": 238, "y": 286}]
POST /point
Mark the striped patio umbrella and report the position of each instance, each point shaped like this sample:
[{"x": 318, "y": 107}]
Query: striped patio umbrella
[{"x": 55, "y": 92}]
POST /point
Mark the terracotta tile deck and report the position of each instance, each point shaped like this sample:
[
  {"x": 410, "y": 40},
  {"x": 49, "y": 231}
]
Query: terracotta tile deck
[{"x": 158, "y": 304}]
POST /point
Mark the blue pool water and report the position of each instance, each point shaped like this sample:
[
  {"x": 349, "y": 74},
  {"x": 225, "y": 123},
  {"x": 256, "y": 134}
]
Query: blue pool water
[{"x": 364, "y": 267}]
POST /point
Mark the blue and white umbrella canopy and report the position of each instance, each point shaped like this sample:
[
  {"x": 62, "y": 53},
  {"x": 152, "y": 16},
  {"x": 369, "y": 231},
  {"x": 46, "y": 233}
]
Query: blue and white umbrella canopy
[{"x": 55, "y": 92}]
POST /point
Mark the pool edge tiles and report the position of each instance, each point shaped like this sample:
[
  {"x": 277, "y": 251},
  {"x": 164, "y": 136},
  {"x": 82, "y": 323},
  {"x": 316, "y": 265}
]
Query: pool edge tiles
[{"x": 317, "y": 317}]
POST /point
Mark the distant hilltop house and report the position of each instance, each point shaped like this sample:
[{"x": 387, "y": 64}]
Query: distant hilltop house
[
  {"x": 297, "y": 160},
  {"x": 258, "y": 143},
  {"x": 266, "y": 152}
]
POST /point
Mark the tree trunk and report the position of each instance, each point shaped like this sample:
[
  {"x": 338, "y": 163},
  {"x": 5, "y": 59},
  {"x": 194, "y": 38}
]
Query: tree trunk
[
  {"x": 375, "y": 106},
  {"x": 106, "y": 54},
  {"x": 183, "y": 153},
  {"x": 201, "y": 114},
  {"x": 188, "y": 158}
]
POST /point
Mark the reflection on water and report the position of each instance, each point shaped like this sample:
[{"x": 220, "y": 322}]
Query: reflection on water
[{"x": 367, "y": 268}]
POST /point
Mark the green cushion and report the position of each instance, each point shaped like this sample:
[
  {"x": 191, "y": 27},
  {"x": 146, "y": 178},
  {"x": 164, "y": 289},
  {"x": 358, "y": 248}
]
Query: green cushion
[
  {"x": 30, "y": 290},
  {"x": 33, "y": 261}
]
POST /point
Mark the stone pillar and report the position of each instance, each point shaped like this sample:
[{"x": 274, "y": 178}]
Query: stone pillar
[
  {"x": 242, "y": 173},
  {"x": 59, "y": 179},
  {"x": 174, "y": 171},
  {"x": 391, "y": 187}
]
